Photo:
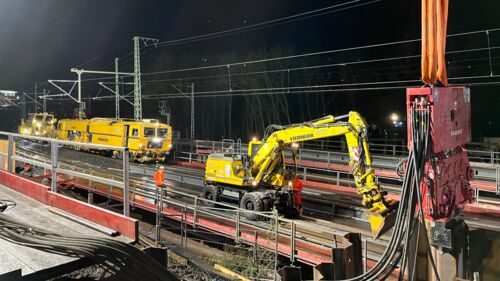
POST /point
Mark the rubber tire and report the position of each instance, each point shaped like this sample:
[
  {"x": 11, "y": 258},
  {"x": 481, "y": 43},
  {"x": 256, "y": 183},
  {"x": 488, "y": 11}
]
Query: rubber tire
[
  {"x": 211, "y": 192},
  {"x": 257, "y": 200},
  {"x": 292, "y": 213}
]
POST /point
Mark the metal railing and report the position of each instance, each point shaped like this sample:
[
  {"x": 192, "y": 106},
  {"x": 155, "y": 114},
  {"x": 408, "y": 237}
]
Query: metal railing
[
  {"x": 54, "y": 166},
  {"x": 484, "y": 171},
  {"x": 193, "y": 210},
  {"x": 377, "y": 149}
]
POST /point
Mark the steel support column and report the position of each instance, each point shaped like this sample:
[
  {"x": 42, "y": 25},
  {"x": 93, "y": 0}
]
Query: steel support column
[
  {"x": 44, "y": 102},
  {"x": 293, "y": 230},
  {"x": 80, "y": 104},
  {"x": 137, "y": 73},
  {"x": 54, "y": 157},
  {"x": 10, "y": 154},
  {"x": 126, "y": 169},
  {"x": 159, "y": 206},
  {"x": 137, "y": 80}
]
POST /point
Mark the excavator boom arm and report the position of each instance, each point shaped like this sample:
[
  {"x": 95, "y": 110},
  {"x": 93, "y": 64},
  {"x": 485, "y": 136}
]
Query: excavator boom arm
[{"x": 265, "y": 159}]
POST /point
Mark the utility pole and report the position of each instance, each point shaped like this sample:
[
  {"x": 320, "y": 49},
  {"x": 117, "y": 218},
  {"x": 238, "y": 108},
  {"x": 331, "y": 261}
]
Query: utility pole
[
  {"x": 44, "y": 102},
  {"x": 117, "y": 91},
  {"x": 36, "y": 107},
  {"x": 192, "y": 111},
  {"x": 23, "y": 107},
  {"x": 80, "y": 104},
  {"x": 137, "y": 73}
]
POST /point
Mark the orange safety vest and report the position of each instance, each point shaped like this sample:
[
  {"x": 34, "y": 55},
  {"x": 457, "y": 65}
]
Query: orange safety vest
[
  {"x": 297, "y": 188},
  {"x": 159, "y": 178}
]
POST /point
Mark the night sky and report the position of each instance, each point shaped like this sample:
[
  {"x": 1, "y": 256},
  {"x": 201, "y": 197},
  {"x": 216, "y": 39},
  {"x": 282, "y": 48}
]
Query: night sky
[{"x": 43, "y": 39}]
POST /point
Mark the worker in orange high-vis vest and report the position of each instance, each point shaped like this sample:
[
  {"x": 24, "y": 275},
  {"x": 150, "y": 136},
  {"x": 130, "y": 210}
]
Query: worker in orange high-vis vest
[
  {"x": 159, "y": 177},
  {"x": 297, "y": 191}
]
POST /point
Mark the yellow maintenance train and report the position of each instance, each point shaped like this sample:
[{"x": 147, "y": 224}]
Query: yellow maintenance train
[
  {"x": 38, "y": 124},
  {"x": 147, "y": 139}
]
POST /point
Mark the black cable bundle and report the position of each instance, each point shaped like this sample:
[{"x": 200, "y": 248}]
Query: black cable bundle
[
  {"x": 121, "y": 259},
  {"x": 397, "y": 250}
]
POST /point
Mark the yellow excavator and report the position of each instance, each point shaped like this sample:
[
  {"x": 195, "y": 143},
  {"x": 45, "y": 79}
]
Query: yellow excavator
[{"x": 260, "y": 179}]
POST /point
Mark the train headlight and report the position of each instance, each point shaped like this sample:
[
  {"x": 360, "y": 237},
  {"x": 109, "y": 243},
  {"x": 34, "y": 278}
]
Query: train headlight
[
  {"x": 39, "y": 125},
  {"x": 141, "y": 145},
  {"x": 290, "y": 184},
  {"x": 169, "y": 145},
  {"x": 156, "y": 140},
  {"x": 254, "y": 183}
]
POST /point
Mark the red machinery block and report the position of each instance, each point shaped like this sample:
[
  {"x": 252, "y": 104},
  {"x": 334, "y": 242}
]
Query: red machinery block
[
  {"x": 446, "y": 187},
  {"x": 450, "y": 115}
]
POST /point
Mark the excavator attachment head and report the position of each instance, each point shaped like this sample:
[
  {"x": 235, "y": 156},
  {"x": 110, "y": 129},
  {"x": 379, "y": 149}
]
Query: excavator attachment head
[{"x": 380, "y": 222}]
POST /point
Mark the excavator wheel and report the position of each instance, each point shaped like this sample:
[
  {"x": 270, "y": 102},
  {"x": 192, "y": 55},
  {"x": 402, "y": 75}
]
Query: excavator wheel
[
  {"x": 252, "y": 201},
  {"x": 292, "y": 213},
  {"x": 211, "y": 193}
]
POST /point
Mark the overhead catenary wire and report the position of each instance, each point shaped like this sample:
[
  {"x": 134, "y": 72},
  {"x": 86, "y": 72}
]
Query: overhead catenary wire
[
  {"x": 266, "y": 24},
  {"x": 310, "y": 88},
  {"x": 319, "y": 66},
  {"x": 314, "y": 91},
  {"x": 102, "y": 54},
  {"x": 188, "y": 78},
  {"x": 269, "y": 23},
  {"x": 320, "y": 53},
  {"x": 309, "y": 54}
]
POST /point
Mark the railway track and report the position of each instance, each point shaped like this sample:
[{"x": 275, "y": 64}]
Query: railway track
[
  {"x": 326, "y": 214},
  {"x": 324, "y": 205},
  {"x": 316, "y": 225}
]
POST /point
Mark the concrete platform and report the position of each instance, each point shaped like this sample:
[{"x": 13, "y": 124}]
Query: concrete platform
[{"x": 13, "y": 256}]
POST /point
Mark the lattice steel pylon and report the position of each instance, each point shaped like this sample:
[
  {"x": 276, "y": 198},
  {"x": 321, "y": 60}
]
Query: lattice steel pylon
[{"x": 137, "y": 73}]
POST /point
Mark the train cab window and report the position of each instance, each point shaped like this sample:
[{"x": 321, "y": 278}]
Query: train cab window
[
  {"x": 149, "y": 132},
  {"x": 135, "y": 133},
  {"x": 162, "y": 133}
]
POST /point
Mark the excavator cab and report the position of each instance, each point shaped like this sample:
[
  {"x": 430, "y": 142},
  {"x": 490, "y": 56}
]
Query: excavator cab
[{"x": 253, "y": 146}]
